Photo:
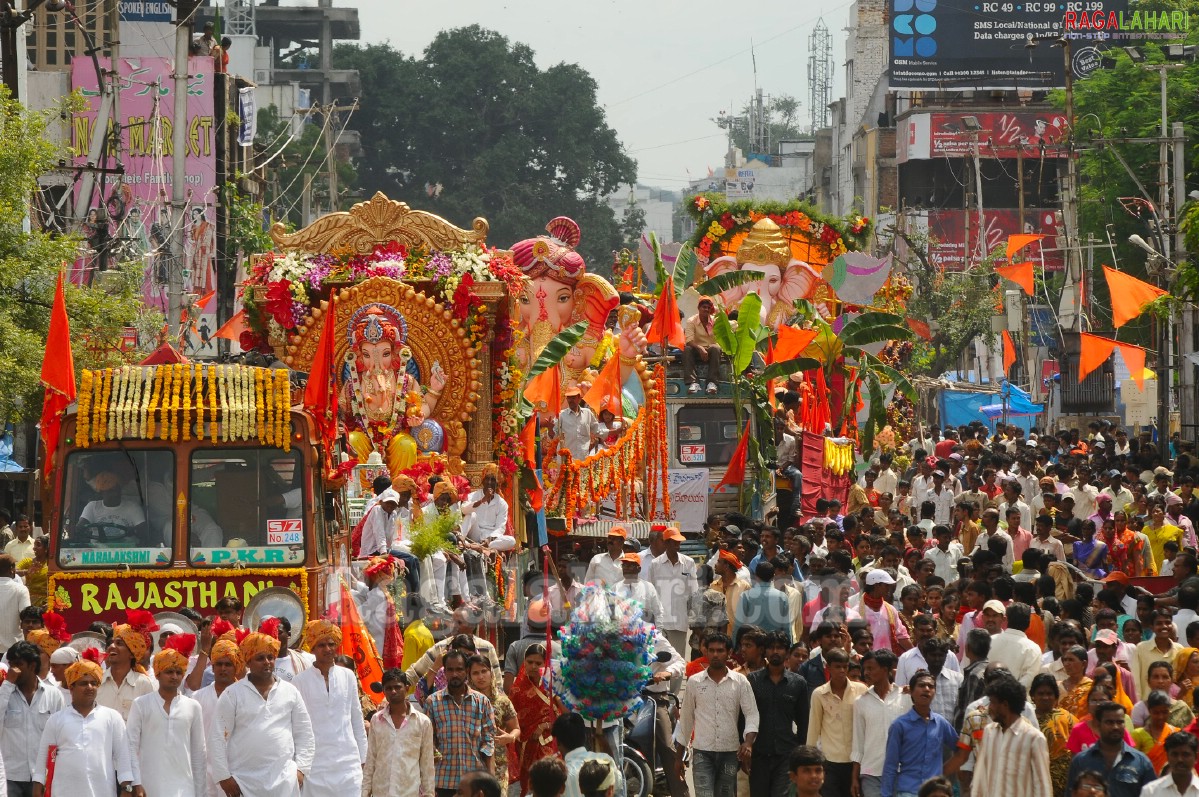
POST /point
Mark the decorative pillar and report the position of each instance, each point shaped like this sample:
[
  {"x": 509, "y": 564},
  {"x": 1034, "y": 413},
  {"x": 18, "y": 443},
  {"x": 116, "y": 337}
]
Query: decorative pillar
[{"x": 480, "y": 439}]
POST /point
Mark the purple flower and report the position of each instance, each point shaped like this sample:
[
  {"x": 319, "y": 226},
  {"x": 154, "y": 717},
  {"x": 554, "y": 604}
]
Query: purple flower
[{"x": 441, "y": 265}]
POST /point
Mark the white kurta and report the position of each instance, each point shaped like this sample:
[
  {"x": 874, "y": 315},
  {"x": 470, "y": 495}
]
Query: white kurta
[
  {"x": 207, "y": 698},
  {"x": 168, "y": 754},
  {"x": 261, "y": 743},
  {"x": 91, "y": 750},
  {"x": 339, "y": 731}
]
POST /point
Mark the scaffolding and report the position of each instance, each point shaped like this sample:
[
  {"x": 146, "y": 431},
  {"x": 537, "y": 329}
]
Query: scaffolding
[
  {"x": 239, "y": 18},
  {"x": 820, "y": 75}
]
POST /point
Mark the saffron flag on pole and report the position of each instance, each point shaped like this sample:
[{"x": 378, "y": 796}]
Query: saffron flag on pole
[
  {"x": 1020, "y": 273},
  {"x": 544, "y": 391},
  {"x": 1009, "y": 353},
  {"x": 58, "y": 374},
  {"x": 320, "y": 394},
  {"x": 666, "y": 327},
  {"x": 1129, "y": 295},
  {"x": 604, "y": 393},
  {"x": 791, "y": 343},
  {"x": 359, "y": 645},
  {"x": 735, "y": 473},
  {"x": 232, "y": 329},
  {"x": 1093, "y": 351},
  {"x": 1017, "y": 242}
]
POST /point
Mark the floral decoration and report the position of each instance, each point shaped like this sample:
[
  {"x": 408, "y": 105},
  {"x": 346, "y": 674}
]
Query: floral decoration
[{"x": 717, "y": 221}]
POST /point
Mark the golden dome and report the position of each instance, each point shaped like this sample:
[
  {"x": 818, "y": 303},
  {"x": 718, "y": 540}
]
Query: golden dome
[{"x": 765, "y": 244}]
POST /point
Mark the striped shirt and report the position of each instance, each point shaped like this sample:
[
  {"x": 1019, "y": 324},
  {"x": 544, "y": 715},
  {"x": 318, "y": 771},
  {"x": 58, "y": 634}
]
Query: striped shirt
[
  {"x": 463, "y": 733},
  {"x": 1012, "y": 762}
]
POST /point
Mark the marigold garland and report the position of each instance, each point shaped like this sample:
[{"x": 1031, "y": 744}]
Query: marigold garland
[
  {"x": 82, "y": 414},
  {"x": 212, "y": 400},
  {"x": 107, "y": 428}
]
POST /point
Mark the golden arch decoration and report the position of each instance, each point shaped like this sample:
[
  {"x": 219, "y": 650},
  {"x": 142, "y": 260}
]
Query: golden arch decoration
[
  {"x": 433, "y": 335},
  {"x": 377, "y": 221}
]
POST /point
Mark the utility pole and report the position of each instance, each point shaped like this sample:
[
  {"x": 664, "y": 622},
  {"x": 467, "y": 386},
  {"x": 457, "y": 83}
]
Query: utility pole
[
  {"x": 178, "y": 174},
  {"x": 1070, "y": 202},
  {"x": 331, "y": 154},
  {"x": 1186, "y": 328}
]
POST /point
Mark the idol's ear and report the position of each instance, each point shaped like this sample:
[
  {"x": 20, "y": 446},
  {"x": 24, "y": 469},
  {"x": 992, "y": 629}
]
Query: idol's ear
[{"x": 594, "y": 299}]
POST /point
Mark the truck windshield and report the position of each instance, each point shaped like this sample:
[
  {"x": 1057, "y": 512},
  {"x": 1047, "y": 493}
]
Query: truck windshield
[
  {"x": 247, "y": 506},
  {"x": 117, "y": 508}
]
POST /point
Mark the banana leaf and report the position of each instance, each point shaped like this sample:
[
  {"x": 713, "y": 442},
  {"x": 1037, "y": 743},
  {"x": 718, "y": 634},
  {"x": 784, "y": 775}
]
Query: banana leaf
[
  {"x": 730, "y": 279},
  {"x": 749, "y": 324},
  {"x": 684, "y": 270},
  {"x": 722, "y": 330},
  {"x": 874, "y": 328},
  {"x": 655, "y": 249},
  {"x": 878, "y": 412},
  {"x": 895, "y": 377},
  {"x": 826, "y": 347},
  {"x": 779, "y": 370}
]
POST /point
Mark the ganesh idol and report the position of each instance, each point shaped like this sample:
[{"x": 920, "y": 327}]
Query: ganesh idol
[
  {"x": 785, "y": 278},
  {"x": 382, "y": 399},
  {"x": 558, "y": 294}
]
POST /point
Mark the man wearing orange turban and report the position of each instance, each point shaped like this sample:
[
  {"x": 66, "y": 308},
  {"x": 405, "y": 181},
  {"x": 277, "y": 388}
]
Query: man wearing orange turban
[
  {"x": 261, "y": 742},
  {"x": 167, "y": 746},
  {"x": 318, "y": 631},
  {"x": 331, "y": 695},
  {"x": 102, "y": 759},
  {"x": 227, "y": 667},
  {"x": 125, "y": 680}
]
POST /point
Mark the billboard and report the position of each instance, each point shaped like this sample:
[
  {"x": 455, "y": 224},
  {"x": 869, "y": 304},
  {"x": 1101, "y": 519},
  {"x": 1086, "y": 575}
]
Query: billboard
[
  {"x": 138, "y": 202},
  {"x": 739, "y": 183},
  {"x": 965, "y": 44},
  {"x": 1008, "y": 134},
  {"x": 953, "y": 236}
]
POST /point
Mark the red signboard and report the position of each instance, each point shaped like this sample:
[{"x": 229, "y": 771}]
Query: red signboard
[
  {"x": 1000, "y": 135},
  {"x": 953, "y": 236},
  {"x": 84, "y": 597}
]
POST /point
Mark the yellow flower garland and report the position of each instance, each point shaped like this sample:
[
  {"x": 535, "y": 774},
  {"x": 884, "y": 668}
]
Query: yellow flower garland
[
  {"x": 213, "y": 407},
  {"x": 106, "y": 426},
  {"x": 199, "y": 402},
  {"x": 82, "y": 416},
  {"x": 284, "y": 387},
  {"x": 258, "y": 409}
]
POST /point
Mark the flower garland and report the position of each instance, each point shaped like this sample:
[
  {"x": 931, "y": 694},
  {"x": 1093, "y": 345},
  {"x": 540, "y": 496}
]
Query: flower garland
[
  {"x": 156, "y": 402},
  {"x": 717, "y": 221}
]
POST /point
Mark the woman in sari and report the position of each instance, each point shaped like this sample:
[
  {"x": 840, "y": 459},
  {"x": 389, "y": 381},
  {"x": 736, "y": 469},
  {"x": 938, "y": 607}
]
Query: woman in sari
[
  {"x": 536, "y": 712},
  {"x": 507, "y": 727},
  {"x": 1151, "y": 739},
  {"x": 1186, "y": 675},
  {"x": 1076, "y": 685},
  {"x": 1090, "y": 554},
  {"x": 1056, "y": 725}
]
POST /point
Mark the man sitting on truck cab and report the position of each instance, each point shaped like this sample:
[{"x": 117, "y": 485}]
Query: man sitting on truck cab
[{"x": 701, "y": 347}]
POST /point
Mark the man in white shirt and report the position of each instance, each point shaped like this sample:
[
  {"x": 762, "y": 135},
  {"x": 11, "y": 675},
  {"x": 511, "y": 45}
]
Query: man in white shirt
[
  {"x": 14, "y": 597},
  {"x": 261, "y": 741},
  {"x": 631, "y": 587},
  {"x": 1084, "y": 493},
  {"x": 1011, "y": 500},
  {"x": 1121, "y": 496},
  {"x": 379, "y": 525},
  {"x": 873, "y": 714},
  {"x": 605, "y": 568},
  {"x": 227, "y": 667},
  {"x": 990, "y": 528},
  {"x": 575, "y": 424},
  {"x": 484, "y": 527},
  {"x": 570, "y": 734},
  {"x": 1013, "y": 756},
  {"x": 714, "y": 700},
  {"x": 92, "y": 748},
  {"x": 166, "y": 734},
  {"x": 945, "y": 554},
  {"x": 1011, "y": 647},
  {"x": 330, "y": 694},
  {"x": 675, "y": 578},
  {"x": 1044, "y": 541},
  {"x": 1178, "y": 778},
  {"x": 26, "y": 703},
  {"x": 21, "y": 546},
  {"x": 887, "y": 480},
  {"x": 399, "y": 759},
  {"x": 911, "y": 661},
  {"x": 942, "y": 496}
]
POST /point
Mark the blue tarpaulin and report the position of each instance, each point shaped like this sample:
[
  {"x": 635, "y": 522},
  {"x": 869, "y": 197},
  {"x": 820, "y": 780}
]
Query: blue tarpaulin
[{"x": 960, "y": 407}]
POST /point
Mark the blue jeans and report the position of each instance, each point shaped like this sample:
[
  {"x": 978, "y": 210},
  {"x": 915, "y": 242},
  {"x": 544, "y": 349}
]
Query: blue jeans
[
  {"x": 715, "y": 773},
  {"x": 411, "y": 570}
]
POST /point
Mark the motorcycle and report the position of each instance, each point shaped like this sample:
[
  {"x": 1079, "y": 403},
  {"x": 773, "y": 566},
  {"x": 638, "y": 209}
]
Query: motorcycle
[{"x": 644, "y": 768}]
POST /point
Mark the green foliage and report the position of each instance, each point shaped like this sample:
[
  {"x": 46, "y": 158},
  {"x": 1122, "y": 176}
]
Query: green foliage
[
  {"x": 729, "y": 279},
  {"x": 557, "y": 348},
  {"x": 435, "y": 535},
  {"x": 782, "y": 123},
  {"x": 712, "y": 208},
  {"x": 29, "y": 266},
  {"x": 475, "y": 116},
  {"x": 247, "y": 233}
]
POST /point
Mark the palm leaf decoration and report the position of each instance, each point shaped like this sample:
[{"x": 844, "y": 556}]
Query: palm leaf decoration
[{"x": 557, "y": 348}]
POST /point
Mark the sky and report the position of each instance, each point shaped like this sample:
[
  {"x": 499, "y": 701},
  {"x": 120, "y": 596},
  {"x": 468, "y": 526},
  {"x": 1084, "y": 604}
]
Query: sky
[{"x": 664, "y": 68}]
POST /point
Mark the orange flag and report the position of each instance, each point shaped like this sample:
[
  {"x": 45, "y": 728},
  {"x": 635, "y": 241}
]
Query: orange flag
[
  {"x": 58, "y": 374},
  {"x": 666, "y": 327},
  {"x": 604, "y": 393},
  {"x": 232, "y": 329},
  {"x": 735, "y": 474},
  {"x": 1093, "y": 352},
  {"x": 1009, "y": 353},
  {"x": 1017, "y": 242},
  {"x": 528, "y": 441},
  {"x": 1134, "y": 359},
  {"x": 544, "y": 391},
  {"x": 1129, "y": 295},
  {"x": 791, "y": 343},
  {"x": 359, "y": 646},
  {"x": 320, "y": 394},
  {"x": 1020, "y": 273}
]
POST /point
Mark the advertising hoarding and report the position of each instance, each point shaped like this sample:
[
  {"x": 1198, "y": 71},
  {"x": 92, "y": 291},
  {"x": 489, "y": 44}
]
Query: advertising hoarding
[
  {"x": 963, "y": 44},
  {"x": 953, "y": 236},
  {"x": 138, "y": 201}
]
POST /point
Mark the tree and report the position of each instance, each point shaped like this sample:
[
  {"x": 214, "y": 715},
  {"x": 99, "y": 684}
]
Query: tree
[
  {"x": 961, "y": 303},
  {"x": 29, "y": 266},
  {"x": 473, "y": 127},
  {"x": 297, "y": 158},
  {"x": 782, "y": 123}
]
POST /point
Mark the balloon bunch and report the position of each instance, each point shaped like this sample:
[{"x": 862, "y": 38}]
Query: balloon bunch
[{"x": 605, "y": 656}]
